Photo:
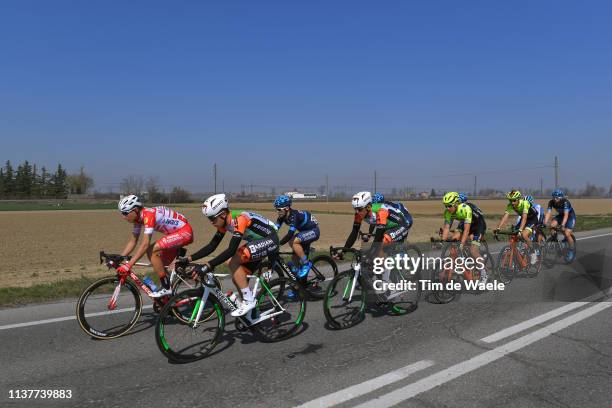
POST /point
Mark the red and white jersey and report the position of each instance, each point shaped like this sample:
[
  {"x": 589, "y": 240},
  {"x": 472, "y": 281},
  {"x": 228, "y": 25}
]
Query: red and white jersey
[{"x": 161, "y": 219}]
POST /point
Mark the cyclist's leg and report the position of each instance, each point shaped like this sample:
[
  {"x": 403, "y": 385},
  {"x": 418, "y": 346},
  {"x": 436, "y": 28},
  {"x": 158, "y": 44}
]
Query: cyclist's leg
[
  {"x": 166, "y": 249},
  {"x": 569, "y": 228},
  {"x": 301, "y": 244},
  {"x": 246, "y": 259}
]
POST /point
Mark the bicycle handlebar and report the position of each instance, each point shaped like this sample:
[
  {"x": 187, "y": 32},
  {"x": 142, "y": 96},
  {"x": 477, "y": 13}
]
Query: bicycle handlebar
[{"x": 113, "y": 260}]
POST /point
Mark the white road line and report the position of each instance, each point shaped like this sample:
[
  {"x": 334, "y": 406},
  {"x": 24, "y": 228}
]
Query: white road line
[
  {"x": 577, "y": 239},
  {"x": 62, "y": 319},
  {"x": 519, "y": 327},
  {"x": 366, "y": 387},
  {"x": 453, "y": 372}
]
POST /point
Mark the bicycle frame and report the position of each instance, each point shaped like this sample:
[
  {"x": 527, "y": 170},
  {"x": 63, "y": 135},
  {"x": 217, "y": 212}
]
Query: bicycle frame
[{"x": 209, "y": 286}]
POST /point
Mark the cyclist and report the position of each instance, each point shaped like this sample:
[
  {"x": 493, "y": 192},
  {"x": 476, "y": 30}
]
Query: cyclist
[
  {"x": 463, "y": 198},
  {"x": 175, "y": 227},
  {"x": 540, "y": 212},
  {"x": 566, "y": 216},
  {"x": 308, "y": 232},
  {"x": 378, "y": 198},
  {"x": 528, "y": 219},
  {"x": 261, "y": 241},
  {"x": 472, "y": 225}
]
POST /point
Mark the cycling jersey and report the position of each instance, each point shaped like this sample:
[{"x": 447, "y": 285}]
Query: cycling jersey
[
  {"x": 562, "y": 206},
  {"x": 387, "y": 222},
  {"x": 383, "y": 215},
  {"x": 248, "y": 225},
  {"x": 161, "y": 219},
  {"x": 467, "y": 213},
  {"x": 523, "y": 207},
  {"x": 403, "y": 209},
  {"x": 298, "y": 220}
]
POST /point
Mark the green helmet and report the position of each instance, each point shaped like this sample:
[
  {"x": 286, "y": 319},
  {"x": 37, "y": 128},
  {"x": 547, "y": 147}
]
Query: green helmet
[
  {"x": 514, "y": 195},
  {"x": 451, "y": 198}
]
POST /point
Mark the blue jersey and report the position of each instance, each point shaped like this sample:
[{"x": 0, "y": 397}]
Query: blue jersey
[
  {"x": 562, "y": 206},
  {"x": 399, "y": 206},
  {"x": 298, "y": 220}
]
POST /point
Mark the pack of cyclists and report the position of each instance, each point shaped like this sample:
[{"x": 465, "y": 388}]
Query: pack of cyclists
[{"x": 389, "y": 222}]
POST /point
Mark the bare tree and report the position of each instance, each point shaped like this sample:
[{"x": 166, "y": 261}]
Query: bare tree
[
  {"x": 80, "y": 182},
  {"x": 132, "y": 185}
]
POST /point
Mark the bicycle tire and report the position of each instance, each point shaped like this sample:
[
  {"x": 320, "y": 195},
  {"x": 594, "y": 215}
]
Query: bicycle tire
[
  {"x": 566, "y": 250},
  {"x": 341, "y": 285},
  {"x": 323, "y": 270},
  {"x": 275, "y": 296},
  {"x": 91, "y": 320},
  {"x": 179, "y": 341},
  {"x": 505, "y": 265}
]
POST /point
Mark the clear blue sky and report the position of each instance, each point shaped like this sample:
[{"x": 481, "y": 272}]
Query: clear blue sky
[{"x": 280, "y": 92}]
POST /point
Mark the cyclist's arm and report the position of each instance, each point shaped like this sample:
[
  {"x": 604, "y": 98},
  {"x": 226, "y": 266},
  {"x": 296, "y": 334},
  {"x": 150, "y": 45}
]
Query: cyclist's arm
[
  {"x": 131, "y": 244},
  {"x": 466, "y": 232},
  {"x": 523, "y": 221},
  {"x": 228, "y": 253},
  {"x": 142, "y": 249},
  {"x": 353, "y": 235},
  {"x": 503, "y": 221},
  {"x": 445, "y": 231},
  {"x": 379, "y": 233},
  {"x": 208, "y": 249},
  {"x": 287, "y": 236}
]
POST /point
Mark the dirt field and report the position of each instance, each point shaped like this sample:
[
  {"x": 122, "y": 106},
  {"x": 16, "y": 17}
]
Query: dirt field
[
  {"x": 44, "y": 246},
  {"x": 434, "y": 207}
]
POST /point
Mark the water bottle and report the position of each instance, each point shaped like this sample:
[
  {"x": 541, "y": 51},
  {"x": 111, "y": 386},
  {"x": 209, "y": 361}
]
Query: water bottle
[{"x": 149, "y": 282}]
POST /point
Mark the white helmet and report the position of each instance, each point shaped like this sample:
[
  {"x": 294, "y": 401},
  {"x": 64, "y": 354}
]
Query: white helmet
[
  {"x": 362, "y": 199},
  {"x": 214, "y": 204},
  {"x": 128, "y": 203}
]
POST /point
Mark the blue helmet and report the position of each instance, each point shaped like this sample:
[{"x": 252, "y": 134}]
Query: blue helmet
[
  {"x": 529, "y": 198},
  {"x": 378, "y": 198},
  {"x": 282, "y": 201},
  {"x": 463, "y": 197},
  {"x": 558, "y": 193}
]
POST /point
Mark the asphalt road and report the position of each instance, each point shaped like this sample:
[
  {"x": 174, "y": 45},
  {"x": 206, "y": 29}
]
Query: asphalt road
[{"x": 538, "y": 343}]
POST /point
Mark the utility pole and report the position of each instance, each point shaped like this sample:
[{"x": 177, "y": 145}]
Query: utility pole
[
  {"x": 475, "y": 185},
  {"x": 375, "y": 190},
  {"x": 223, "y": 186},
  {"x": 541, "y": 187},
  {"x": 327, "y": 191},
  {"x": 556, "y": 172},
  {"x": 215, "y": 176}
]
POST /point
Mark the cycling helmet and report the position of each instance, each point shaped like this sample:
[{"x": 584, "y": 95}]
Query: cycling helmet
[
  {"x": 463, "y": 197},
  {"x": 128, "y": 203},
  {"x": 214, "y": 205},
  {"x": 378, "y": 198},
  {"x": 282, "y": 201},
  {"x": 513, "y": 195},
  {"x": 451, "y": 198},
  {"x": 529, "y": 198},
  {"x": 558, "y": 193},
  {"x": 362, "y": 199}
]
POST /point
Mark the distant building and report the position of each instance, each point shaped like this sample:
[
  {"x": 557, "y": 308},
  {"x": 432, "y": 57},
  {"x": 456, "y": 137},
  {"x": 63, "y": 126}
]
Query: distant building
[{"x": 296, "y": 195}]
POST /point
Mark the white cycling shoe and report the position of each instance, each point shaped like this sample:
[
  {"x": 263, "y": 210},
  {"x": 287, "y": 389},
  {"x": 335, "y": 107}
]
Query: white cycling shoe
[
  {"x": 244, "y": 307},
  {"x": 161, "y": 293},
  {"x": 484, "y": 277},
  {"x": 534, "y": 258}
]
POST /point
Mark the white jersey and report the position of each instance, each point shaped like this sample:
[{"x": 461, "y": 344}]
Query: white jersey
[{"x": 161, "y": 219}]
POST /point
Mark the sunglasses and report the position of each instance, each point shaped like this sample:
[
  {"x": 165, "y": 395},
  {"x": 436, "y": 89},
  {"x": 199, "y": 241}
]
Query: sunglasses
[
  {"x": 449, "y": 205},
  {"x": 126, "y": 213},
  {"x": 281, "y": 209}
]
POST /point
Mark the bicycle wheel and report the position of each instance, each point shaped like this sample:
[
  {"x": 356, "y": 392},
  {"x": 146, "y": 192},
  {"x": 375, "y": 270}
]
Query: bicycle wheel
[
  {"x": 193, "y": 340},
  {"x": 405, "y": 300},
  {"x": 345, "y": 300},
  {"x": 533, "y": 270},
  {"x": 443, "y": 288},
  {"x": 323, "y": 270},
  {"x": 280, "y": 311},
  {"x": 505, "y": 265},
  {"x": 107, "y": 309},
  {"x": 550, "y": 252}
]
